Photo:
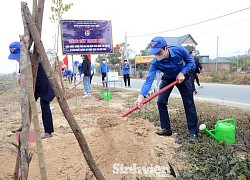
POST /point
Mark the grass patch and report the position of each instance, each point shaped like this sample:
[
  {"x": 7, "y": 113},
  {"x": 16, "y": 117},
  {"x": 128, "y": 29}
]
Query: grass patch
[
  {"x": 207, "y": 158},
  {"x": 227, "y": 78}
]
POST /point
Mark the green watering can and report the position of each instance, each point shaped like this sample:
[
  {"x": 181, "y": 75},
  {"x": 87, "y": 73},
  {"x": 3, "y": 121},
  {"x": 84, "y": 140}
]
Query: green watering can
[
  {"x": 224, "y": 131},
  {"x": 106, "y": 95}
]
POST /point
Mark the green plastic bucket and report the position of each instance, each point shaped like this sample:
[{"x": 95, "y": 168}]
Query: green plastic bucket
[{"x": 106, "y": 95}]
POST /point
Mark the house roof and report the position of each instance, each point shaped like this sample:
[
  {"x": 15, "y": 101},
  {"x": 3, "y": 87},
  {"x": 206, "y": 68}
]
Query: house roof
[
  {"x": 185, "y": 39},
  {"x": 219, "y": 60}
]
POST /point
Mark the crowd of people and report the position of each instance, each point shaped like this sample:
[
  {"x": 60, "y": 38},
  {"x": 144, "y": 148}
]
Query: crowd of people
[{"x": 170, "y": 63}]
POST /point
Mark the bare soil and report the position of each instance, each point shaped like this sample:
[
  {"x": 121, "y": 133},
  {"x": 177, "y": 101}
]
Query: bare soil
[{"x": 115, "y": 142}]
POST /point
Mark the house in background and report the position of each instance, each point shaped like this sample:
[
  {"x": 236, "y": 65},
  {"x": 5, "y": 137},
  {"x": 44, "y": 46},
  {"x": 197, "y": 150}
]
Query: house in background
[
  {"x": 210, "y": 66},
  {"x": 182, "y": 40}
]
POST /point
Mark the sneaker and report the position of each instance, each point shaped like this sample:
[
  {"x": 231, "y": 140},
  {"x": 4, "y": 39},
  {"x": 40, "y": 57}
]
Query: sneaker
[
  {"x": 164, "y": 132},
  {"x": 46, "y": 135},
  {"x": 193, "y": 138},
  {"x": 86, "y": 95}
]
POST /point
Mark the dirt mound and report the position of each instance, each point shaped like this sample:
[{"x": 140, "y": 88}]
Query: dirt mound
[{"x": 120, "y": 146}]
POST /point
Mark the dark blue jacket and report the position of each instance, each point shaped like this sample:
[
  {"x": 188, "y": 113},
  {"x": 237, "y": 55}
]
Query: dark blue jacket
[
  {"x": 179, "y": 61},
  {"x": 43, "y": 86},
  {"x": 86, "y": 67}
]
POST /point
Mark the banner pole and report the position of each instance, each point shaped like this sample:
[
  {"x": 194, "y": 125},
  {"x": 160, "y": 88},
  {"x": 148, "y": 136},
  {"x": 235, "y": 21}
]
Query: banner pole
[
  {"x": 107, "y": 79},
  {"x": 74, "y": 78}
]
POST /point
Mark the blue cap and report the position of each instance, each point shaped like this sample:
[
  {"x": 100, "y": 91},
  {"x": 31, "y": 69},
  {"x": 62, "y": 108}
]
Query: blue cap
[
  {"x": 156, "y": 44},
  {"x": 76, "y": 62},
  {"x": 14, "y": 50}
]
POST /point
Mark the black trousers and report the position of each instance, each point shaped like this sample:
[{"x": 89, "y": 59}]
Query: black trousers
[
  {"x": 91, "y": 77},
  {"x": 103, "y": 79},
  {"x": 126, "y": 79},
  {"x": 186, "y": 91},
  {"x": 46, "y": 116},
  {"x": 70, "y": 78},
  {"x": 192, "y": 78},
  {"x": 197, "y": 79}
]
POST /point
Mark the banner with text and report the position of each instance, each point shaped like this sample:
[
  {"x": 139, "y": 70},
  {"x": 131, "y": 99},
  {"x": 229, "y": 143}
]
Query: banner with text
[{"x": 86, "y": 37}]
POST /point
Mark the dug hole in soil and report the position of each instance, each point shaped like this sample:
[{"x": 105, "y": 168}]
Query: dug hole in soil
[{"x": 115, "y": 142}]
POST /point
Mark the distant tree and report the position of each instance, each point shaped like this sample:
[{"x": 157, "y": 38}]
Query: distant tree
[
  {"x": 189, "y": 48},
  {"x": 117, "y": 56},
  {"x": 145, "y": 51},
  {"x": 58, "y": 8}
]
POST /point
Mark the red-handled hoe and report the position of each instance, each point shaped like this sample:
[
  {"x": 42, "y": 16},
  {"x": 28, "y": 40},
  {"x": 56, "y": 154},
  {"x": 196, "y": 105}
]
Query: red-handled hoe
[{"x": 150, "y": 98}]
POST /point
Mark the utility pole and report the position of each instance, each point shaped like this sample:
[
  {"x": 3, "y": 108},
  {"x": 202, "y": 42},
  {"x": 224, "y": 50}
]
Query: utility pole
[
  {"x": 135, "y": 64},
  {"x": 216, "y": 63},
  {"x": 126, "y": 47},
  {"x": 237, "y": 61}
]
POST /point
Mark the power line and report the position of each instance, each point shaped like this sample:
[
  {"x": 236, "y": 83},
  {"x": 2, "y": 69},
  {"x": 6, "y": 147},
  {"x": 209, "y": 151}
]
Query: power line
[
  {"x": 230, "y": 25},
  {"x": 194, "y": 23}
]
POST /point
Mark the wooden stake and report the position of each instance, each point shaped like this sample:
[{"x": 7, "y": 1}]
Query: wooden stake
[{"x": 58, "y": 92}]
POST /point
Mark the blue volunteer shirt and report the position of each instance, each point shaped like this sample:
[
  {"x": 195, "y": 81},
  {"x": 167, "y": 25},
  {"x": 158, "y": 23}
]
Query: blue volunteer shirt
[
  {"x": 80, "y": 69},
  {"x": 179, "y": 61},
  {"x": 68, "y": 72},
  {"x": 125, "y": 68},
  {"x": 104, "y": 68}
]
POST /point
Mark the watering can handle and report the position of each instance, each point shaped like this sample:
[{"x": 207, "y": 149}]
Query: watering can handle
[
  {"x": 230, "y": 119},
  {"x": 211, "y": 133}
]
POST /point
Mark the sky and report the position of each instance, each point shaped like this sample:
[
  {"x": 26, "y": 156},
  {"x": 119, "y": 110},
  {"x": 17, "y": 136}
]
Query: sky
[{"x": 142, "y": 21}]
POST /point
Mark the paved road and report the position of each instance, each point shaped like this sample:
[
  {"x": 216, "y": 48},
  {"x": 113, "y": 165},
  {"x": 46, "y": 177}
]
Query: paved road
[{"x": 235, "y": 95}]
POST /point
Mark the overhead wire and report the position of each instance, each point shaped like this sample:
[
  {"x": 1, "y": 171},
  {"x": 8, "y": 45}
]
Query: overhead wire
[
  {"x": 230, "y": 25},
  {"x": 194, "y": 24}
]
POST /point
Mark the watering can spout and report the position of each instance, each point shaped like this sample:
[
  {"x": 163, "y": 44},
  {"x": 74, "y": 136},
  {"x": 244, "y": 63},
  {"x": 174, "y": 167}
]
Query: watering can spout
[{"x": 204, "y": 128}]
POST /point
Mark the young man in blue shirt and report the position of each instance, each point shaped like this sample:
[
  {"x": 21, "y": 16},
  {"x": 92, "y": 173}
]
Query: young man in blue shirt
[
  {"x": 174, "y": 62},
  {"x": 68, "y": 74},
  {"x": 126, "y": 72},
  {"x": 104, "y": 68}
]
